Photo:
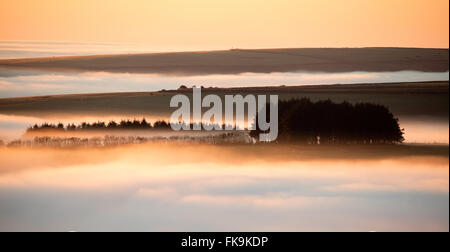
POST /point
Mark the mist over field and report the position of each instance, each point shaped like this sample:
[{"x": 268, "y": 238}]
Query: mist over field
[{"x": 224, "y": 188}]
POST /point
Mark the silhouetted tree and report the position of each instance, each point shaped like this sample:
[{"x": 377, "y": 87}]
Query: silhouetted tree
[
  {"x": 144, "y": 124},
  {"x": 71, "y": 127},
  {"x": 112, "y": 125},
  {"x": 161, "y": 125}
]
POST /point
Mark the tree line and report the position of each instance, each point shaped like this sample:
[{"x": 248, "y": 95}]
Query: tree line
[
  {"x": 112, "y": 125},
  {"x": 124, "y": 124}
]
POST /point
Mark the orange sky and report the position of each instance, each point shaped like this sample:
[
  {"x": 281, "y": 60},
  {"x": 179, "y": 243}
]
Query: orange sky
[{"x": 208, "y": 24}]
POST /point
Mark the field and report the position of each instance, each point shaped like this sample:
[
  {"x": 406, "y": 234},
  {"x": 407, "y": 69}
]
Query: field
[{"x": 406, "y": 100}]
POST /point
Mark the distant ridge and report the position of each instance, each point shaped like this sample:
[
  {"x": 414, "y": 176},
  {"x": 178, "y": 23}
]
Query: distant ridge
[{"x": 234, "y": 61}]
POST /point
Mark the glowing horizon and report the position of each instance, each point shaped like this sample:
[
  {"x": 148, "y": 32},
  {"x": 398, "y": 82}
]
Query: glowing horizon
[{"x": 205, "y": 24}]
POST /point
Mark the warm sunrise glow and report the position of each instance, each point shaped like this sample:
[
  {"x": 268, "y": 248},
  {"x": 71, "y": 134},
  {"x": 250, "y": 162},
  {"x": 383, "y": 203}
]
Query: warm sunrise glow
[
  {"x": 207, "y": 24},
  {"x": 115, "y": 115}
]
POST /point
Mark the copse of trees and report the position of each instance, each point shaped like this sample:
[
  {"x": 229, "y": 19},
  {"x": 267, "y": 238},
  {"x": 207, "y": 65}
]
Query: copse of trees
[{"x": 326, "y": 122}]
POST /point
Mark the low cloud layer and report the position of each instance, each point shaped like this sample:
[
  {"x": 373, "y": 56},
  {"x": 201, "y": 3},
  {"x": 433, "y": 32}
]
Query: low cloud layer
[{"x": 148, "y": 188}]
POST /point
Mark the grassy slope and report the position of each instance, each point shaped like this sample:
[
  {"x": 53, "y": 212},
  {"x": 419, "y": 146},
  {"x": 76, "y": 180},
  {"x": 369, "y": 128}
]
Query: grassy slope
[{"x": 430, "y": 99}]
